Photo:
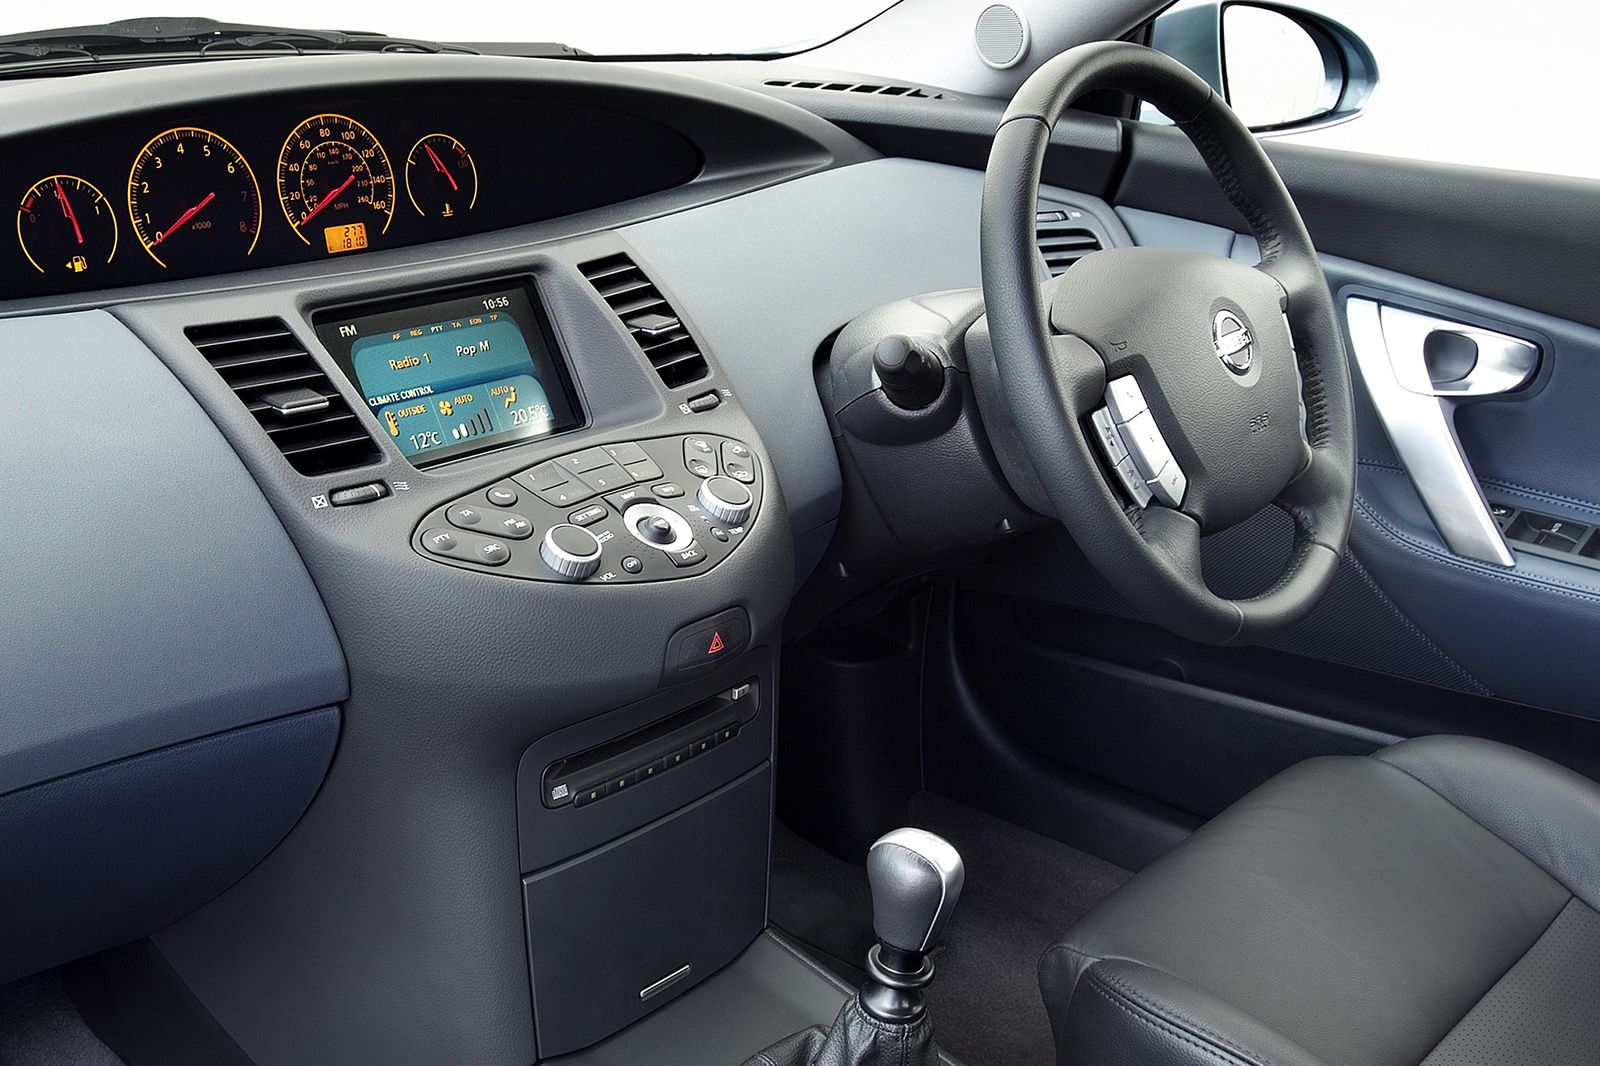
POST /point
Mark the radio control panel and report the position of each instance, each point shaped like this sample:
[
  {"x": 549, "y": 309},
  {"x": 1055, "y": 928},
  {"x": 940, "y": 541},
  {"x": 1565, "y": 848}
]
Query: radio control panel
[{"x": 649, "y": 510}]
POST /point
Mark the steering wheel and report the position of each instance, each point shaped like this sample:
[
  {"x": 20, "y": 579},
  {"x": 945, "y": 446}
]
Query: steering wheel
[{"x": 1215, "y": 388}]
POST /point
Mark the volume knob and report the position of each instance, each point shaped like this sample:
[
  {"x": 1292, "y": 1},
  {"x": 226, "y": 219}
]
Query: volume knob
[
  {"x": 725, "y": 499},
  {"x": 571, "y": 551}
]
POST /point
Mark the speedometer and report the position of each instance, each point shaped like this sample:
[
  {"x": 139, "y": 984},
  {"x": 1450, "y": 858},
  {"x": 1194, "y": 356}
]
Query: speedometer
[
  {"x": 194, "y": 200},
  {"x": 335, "y": 183}
]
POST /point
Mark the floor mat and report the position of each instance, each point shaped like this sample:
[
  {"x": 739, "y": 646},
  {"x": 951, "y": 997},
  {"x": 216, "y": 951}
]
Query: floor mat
[
  {"x": 39, "y": 1026},
  {"x": 1022, "y": 892}
]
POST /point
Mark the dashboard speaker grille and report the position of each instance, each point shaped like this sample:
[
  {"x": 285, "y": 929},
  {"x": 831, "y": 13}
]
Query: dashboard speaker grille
[
  {"x": 283, "y": 387},
  {"x": 649, "y": 319},
  {"x": 1001, "y": 35},
  {"x": 1063, "y": 241}
]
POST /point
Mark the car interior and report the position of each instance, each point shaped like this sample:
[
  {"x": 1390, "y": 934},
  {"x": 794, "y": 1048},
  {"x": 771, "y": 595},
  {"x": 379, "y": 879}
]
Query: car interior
[{"x": 1023, "y": 564}]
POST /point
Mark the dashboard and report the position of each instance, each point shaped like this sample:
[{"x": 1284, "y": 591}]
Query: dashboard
[{"x": 298, "y": 177}]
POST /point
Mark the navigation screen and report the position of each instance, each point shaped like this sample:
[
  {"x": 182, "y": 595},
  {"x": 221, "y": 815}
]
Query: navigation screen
[{"x": 456, "y": 376}]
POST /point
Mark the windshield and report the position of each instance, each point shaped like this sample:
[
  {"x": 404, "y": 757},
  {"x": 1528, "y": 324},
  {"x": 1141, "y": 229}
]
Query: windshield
[{"x": 615, "y": 27}]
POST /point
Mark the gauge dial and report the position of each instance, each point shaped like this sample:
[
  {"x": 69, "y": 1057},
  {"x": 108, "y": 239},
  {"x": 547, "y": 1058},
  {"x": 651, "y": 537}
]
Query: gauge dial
[
  {"x": 334, "y": 175},
  {"x": 441, "y": 178},
  {"x": 194, "y": 200},
  {"x": 66, "y": 225}
]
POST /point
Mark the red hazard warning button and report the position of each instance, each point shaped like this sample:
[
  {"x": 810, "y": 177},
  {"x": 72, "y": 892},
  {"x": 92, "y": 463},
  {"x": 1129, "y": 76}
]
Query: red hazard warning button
[{"x": 701, "y": 645}]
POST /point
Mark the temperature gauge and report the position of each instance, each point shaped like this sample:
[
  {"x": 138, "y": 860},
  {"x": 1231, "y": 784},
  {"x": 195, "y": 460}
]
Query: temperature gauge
[
  {"x": 66, "y": 225},
  {"x": 441, "y": 178}
]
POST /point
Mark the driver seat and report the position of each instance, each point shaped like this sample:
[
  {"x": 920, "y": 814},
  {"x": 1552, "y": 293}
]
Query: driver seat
[{"x": 1436, "y": 903}]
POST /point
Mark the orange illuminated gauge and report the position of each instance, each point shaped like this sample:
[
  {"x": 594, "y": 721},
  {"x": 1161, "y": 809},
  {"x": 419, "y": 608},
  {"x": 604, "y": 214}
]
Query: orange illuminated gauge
[
  {"x": 332, "y": 172},
  {"x": 194, "y": 200},
  {"x": 66, "y": 225},
  {"x": 441, "y": 178}
]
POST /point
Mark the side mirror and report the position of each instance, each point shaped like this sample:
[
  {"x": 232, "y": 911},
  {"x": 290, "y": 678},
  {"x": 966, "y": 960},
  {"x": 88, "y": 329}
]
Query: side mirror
[{"x": 1279, "y": 67}]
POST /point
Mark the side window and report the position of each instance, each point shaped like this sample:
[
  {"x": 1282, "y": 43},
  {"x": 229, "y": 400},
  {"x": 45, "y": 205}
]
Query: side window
[{"x": 1479, "y": 82}]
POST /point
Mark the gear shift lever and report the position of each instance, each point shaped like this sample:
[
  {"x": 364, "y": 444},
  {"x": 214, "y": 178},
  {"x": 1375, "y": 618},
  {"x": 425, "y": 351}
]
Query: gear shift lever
[{"x": 916, "y": 879}]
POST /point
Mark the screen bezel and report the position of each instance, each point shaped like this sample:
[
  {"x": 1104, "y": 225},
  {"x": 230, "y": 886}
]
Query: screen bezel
[{"x": 325, "y": 322}]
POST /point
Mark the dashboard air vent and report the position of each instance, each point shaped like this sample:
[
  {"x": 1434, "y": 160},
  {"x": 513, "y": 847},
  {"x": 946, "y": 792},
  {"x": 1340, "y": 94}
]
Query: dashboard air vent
[
  {"x": 1063, "y": 240},
  {"x": 851, "y": 87},
  {"x": 280, "y": 383},
  {"x": 653, "y": 323}
]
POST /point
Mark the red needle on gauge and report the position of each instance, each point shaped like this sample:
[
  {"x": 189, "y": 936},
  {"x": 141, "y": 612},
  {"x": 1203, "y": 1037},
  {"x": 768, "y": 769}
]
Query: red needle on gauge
[
  {"x": 437, "y": 162},
  {"x": 186, "y": 216},
  {"x": 66, "y": 209},
  {"x": 328, "y": 199}
]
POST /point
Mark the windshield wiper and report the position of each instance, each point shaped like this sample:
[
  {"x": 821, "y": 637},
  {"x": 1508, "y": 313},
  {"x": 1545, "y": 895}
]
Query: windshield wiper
[{"x": 162, "y": 40}]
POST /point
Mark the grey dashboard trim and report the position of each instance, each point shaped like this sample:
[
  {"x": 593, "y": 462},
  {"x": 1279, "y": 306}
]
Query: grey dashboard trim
[
  {"x": 770, "y": 276},
  {"x": 152, "y": 596}
]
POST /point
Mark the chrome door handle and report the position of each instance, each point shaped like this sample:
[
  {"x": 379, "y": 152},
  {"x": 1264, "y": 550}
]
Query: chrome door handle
[{"x": 1417, "y": 369}]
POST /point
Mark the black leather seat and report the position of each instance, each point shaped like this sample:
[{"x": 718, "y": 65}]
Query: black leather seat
[{"x": 1434, "y": 903}]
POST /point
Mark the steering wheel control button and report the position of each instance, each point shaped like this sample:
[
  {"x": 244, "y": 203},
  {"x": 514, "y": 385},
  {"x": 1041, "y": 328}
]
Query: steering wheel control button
[
  {"x": 632, "y": 564},
  {"x": 571, "y": 551},
  {"x": 1170, "y": 485},
  {"x": 1132, "y": 483},
  {"x": 514, "y": 526},
  {"x": 1146, "y": 445},
  {"x": 1105, "y": 432},
  {"x": 1125, "y": 398},
  {"x": 725, "y": 499},
  {"x": 501, "y": 496},
  {"x": 700, "y": 646},
  {"x": 588, "y": 516},
  {"x": 667, "y": 490}
]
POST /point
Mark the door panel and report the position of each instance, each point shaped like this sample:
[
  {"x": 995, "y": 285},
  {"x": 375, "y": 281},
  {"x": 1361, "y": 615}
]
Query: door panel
[{"x": 1413, "y": 638}]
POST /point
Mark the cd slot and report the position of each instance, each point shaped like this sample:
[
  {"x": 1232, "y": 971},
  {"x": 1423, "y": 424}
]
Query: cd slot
[{"x": 627, "y": 763}]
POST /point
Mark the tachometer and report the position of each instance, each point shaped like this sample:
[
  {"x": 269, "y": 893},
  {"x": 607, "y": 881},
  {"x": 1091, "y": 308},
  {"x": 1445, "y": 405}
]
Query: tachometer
[
  {"x": 335, "y": 177},
  {"x": 441, "y": 178},
  {"x": 66, "y": 225},
  {"x": 194, "y": 199}
]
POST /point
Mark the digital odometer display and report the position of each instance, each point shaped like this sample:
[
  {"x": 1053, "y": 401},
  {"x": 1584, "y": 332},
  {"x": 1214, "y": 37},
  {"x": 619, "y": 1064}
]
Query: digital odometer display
[{"x": 457, "y": 375}]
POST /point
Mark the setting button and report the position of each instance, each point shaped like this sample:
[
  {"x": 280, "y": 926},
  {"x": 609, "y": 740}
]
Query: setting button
[
  {"x": 440, "y": 541},
  {"x": 588, "y": 516}
]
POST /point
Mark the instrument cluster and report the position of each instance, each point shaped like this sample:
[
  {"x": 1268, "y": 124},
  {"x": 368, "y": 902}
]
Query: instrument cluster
[{"x": 275, "y": 182}]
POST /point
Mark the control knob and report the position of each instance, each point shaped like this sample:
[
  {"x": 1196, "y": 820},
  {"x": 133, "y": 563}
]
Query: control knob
[
  {"x": 571, "y": 551},
  {"x": 725, "y": 499}
]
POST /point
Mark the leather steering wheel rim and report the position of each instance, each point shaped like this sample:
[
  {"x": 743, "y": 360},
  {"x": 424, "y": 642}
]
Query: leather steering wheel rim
[{"x": 1052, "y": 379}]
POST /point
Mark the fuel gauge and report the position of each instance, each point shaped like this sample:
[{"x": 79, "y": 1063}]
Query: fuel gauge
[
  {"x": 66, "y": 225},
  {"x": 441, "y": 178}
]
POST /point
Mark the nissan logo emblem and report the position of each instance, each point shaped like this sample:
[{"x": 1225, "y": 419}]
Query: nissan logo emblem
[{"x": 1231, "y": 338}]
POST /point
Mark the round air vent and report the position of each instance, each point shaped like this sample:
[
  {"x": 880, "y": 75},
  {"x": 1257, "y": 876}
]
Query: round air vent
[{"x": 1001, "y": 36}]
